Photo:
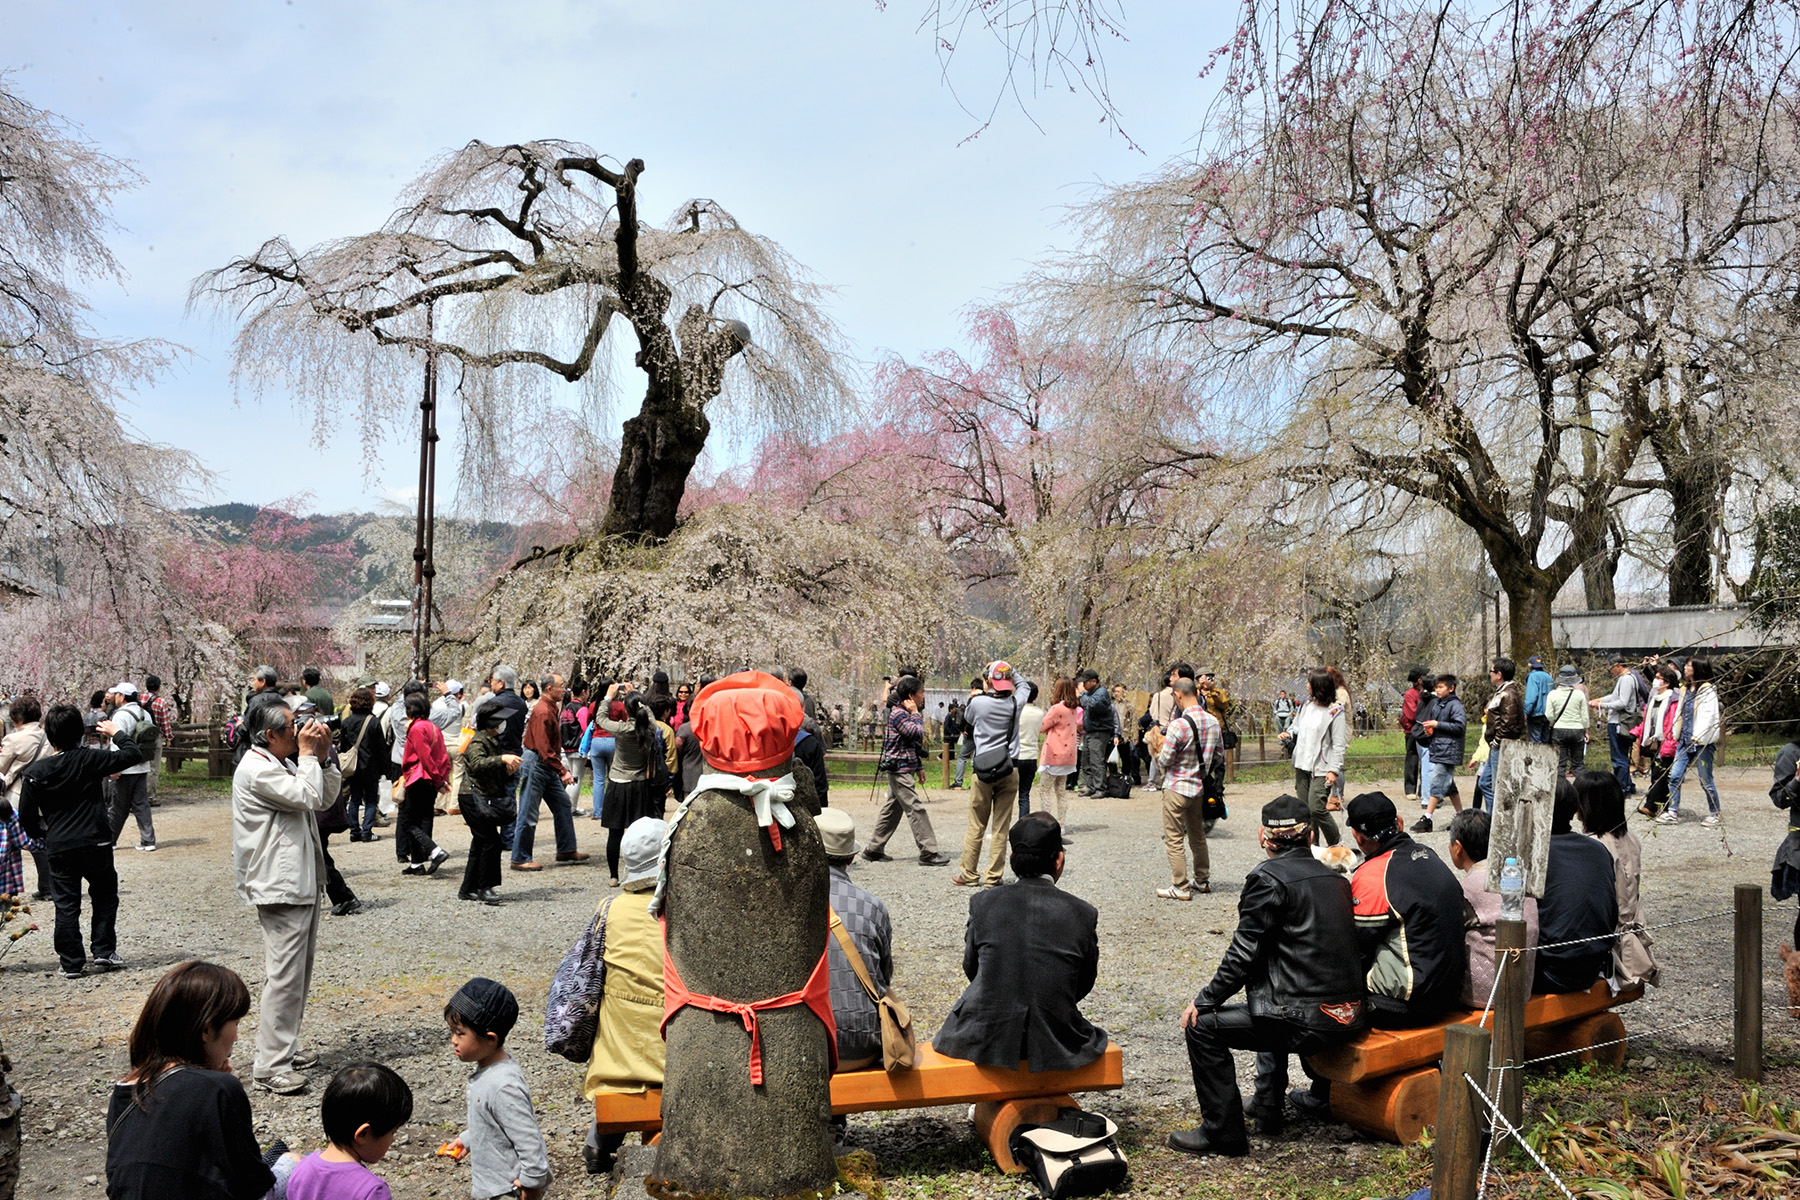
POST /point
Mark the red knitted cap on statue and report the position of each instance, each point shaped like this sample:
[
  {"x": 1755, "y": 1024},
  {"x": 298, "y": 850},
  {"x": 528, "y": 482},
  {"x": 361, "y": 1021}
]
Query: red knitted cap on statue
[{"x": 746, "y": 722}]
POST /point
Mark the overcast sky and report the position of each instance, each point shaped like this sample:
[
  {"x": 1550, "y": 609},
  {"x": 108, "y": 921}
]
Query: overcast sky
[{"x": 824, "y": 124}]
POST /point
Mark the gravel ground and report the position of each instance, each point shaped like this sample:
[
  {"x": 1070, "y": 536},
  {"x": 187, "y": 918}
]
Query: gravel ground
[{"x": 382, "y": 977}]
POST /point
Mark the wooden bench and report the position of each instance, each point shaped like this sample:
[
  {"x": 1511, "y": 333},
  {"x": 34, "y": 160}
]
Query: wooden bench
[
  {"x": 1003, "y": 1099},
  {"x": 1385, "y": 1083}
]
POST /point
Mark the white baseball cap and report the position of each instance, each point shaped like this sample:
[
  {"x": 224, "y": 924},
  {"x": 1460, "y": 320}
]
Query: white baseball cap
[
  {"x": 452, "y": 687},
  {"x": 381, "y": 689},
  {"x": 127, "y": 688}
]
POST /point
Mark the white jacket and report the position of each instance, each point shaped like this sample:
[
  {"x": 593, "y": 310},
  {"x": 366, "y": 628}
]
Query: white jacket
[
  {"x": 276, "y": 852},
  {"x": 1706, "y": 715}
]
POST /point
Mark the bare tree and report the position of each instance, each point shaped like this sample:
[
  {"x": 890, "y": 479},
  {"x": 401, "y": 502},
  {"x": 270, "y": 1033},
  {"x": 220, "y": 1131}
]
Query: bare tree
[{"x": 514, "y": 261}]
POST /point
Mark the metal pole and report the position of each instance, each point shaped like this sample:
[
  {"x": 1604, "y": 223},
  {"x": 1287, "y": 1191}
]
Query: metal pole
[
  {"x": 430, "y": 566},
  {"x": 1456, "y": 1154},
  {"x": 1509, "y": 1019},
  {"x": 1747, "y": 1027},
  {"x": 418, "y": 595}
]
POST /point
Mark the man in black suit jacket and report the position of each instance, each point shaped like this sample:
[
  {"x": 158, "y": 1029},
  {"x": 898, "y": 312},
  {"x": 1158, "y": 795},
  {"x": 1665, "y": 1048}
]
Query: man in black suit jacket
[{"x": 1031, "y": 954}]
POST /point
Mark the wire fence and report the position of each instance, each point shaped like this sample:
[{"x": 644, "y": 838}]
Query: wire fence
[{"x": 1499, "y": 1127}]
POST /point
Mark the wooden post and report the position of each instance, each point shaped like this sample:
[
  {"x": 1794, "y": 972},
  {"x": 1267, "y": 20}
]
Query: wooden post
[
  {"x": 1456, "y": 1155},
  {"x": 1747, "y": 1030},
  {"x": 946, "y": 766},
  {"x": 1506, "y": 1087},
  {"x": 1262, "y": 746},
  {"x": 1231, "y": 766}
]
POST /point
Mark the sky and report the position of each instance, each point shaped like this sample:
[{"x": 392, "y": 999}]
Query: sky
[{"x": 824, "y": 124}]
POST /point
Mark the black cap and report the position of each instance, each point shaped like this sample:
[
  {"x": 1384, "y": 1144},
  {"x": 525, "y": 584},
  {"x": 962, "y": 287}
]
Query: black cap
[
  {"x": 1286, "y": 812},
  {"x": 1373, "y": 814},
  {"x": 486, "y": 1006},
  {"x": 1035, "y": 833}
]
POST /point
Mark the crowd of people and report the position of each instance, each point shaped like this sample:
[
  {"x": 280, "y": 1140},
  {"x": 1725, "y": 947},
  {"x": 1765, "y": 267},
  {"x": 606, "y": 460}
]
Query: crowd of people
[{"x": 1422, "y": 928}]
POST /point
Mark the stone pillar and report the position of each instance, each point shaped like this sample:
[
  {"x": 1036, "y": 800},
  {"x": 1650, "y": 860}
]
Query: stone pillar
[{"x": 746, "y": 922}]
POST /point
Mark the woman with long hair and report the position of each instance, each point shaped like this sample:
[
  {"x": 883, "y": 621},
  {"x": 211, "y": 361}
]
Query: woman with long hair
[
  {"x": 1319, "y": 738},
  {"x": 1341, "y": 689},
  {"x": 1056, "y": 753},
  {"x": 361, "y": 729},
  {"x": 425, "y": 774},
  {"x": 631, "y": 792},
  {"x": 179, "y": 1123},
  {"x": 1600, "y": 803}
]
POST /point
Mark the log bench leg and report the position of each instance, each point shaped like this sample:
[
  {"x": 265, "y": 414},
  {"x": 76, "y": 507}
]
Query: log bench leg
[
  {"x": 995, "y": 1122},
  {"x": 1577, "y": 1035},
  {"x": 1398, "y": 1108}
]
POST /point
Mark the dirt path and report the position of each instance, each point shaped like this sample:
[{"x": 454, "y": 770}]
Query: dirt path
[{"x": 383, "y": 976}]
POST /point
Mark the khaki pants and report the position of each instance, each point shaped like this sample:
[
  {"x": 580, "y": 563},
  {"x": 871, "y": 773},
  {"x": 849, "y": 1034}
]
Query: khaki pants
[
  {"x": 991, "y": 809},
  {"x": 290, "y": 939},
  {"x": 903, "y": 797},
  {"x": 1184, "y": 825}
]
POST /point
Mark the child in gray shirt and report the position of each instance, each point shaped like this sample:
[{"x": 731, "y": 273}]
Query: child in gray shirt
[{"x": 507, "y": 1155}]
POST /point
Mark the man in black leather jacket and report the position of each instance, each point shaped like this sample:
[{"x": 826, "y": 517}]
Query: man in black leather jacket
[{"x": 1292, "y": 956}]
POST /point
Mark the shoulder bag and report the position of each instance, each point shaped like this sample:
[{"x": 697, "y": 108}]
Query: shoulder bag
[
  {"x": 1075, "y": 1155},
  {"x": 572, "y": 1009},
  {"x": 990, "y": 768},
  {"x": 899, "y": 1048},
  {"x": 348, "y": 760}
]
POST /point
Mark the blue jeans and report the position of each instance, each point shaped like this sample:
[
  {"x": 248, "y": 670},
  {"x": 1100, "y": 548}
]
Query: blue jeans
[
  {"x": 965, "y": 748},
  {"x": 1701, "y": 759},
  {"x": 600, "y": 753},
  {"x": 1618, "y": 741},
  {"x": 1484, "y": 783},
  {"x": 1438, "y": 778},
  {"x": 541, "y": 783}
]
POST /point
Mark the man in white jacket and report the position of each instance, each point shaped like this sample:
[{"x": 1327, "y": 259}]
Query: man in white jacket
[{"x": 285, "y": 777}]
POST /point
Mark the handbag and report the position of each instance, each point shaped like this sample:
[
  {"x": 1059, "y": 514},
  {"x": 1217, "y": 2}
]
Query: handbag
[
  {"x": 572, "y": 1009},
  {"x": 1075, "y": 1155},
  {"x": 899, "y": 1048},
  {"x": 991, "y": 768},
  {"x": 350, "y": 759}
]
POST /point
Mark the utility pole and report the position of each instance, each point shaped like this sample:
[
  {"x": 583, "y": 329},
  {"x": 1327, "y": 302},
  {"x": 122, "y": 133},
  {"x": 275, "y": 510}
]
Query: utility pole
[{"x": 425, "y": 528}]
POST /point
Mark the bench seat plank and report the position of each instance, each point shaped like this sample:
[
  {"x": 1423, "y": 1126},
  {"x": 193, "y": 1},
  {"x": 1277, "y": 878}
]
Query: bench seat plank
[
  {"x": 1382, "y": 1052},
  {"x": 934, "y": 1081}
]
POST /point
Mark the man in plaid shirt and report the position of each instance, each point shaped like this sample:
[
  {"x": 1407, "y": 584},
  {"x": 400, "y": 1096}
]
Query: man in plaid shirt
[
  {"x": 900, "y": 758},
  {"x": 13, "y": 841},
  {"x": 162, "y": 711},
  {"x": 1190, "y": 745}
]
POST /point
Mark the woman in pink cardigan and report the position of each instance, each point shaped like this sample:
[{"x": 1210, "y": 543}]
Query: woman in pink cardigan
[
  {"x": 425, "y": 774},
  {"x": 1056, "y": 756}
]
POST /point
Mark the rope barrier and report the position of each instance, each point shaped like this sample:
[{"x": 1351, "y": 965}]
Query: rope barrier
[
  {"x": 1617, "y": 933},
  {"x": 1499, "y": 970},
  {"x": 1724, "y": 1016},
  {"x": 1516, "y": 1136}
]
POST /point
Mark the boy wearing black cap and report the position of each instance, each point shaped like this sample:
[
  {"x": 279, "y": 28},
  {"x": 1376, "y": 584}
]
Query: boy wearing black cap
[
  {"x": 507, "y": 1155},
  {"x": 1305, "y": 995}
]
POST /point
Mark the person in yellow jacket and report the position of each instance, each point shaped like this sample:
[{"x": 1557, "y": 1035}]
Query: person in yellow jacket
[{"x": 628, "y": 1045}]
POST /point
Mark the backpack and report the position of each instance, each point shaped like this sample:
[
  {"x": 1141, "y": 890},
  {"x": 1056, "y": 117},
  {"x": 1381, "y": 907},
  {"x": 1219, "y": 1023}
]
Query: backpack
[
  {"x": 1075, "y": 1155},
  {"x": 571, "y": 730},
  {"x": 572, "y": 1010},
  {"x": 143, "y": 730}
]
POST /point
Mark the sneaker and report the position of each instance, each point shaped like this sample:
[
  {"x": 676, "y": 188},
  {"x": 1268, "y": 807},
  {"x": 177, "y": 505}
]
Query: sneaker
[
  {"x": 346, "y": 908},
  {"x": 1671, "y": 817},
  {"x": 875, "y": 856},
  {"x": 147, "y": 847},
  {"x": 1422, "y": 825},
  {"x": 306, "y": 1058},
  {"x": 436, "y": 860},
  {"x": 1173, "y": 893},
  {"x": 109, "y": 962},
  {"x": 291, "y": 1084},
  {"x": 934, "y": 859},
  {"x": 77, "y": 973},
  {"x": 1713, "y": 819},
  {"x": 273, "y": 1154},
  {"x": 1201, "y": 889}
]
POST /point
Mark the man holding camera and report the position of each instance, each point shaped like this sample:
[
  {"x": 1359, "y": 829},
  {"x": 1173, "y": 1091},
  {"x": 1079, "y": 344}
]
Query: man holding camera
[
  {"x": 278, "y": 857},
  {"x": 901, "y": 758}
]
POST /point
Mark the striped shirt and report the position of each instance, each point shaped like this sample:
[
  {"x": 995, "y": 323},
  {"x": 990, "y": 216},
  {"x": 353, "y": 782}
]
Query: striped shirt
[{"x": 1183, "y": 756}]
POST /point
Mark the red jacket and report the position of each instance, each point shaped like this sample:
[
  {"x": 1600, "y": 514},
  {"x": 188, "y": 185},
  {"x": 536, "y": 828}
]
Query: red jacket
[
  {"x": 543, "y": 732},
  {"x": 1409, "y": 708},
  {"x": 425, "y": 756}
]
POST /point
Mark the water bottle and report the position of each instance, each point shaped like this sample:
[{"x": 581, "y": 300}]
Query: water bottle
[{"x": 1512, "y": 891}]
